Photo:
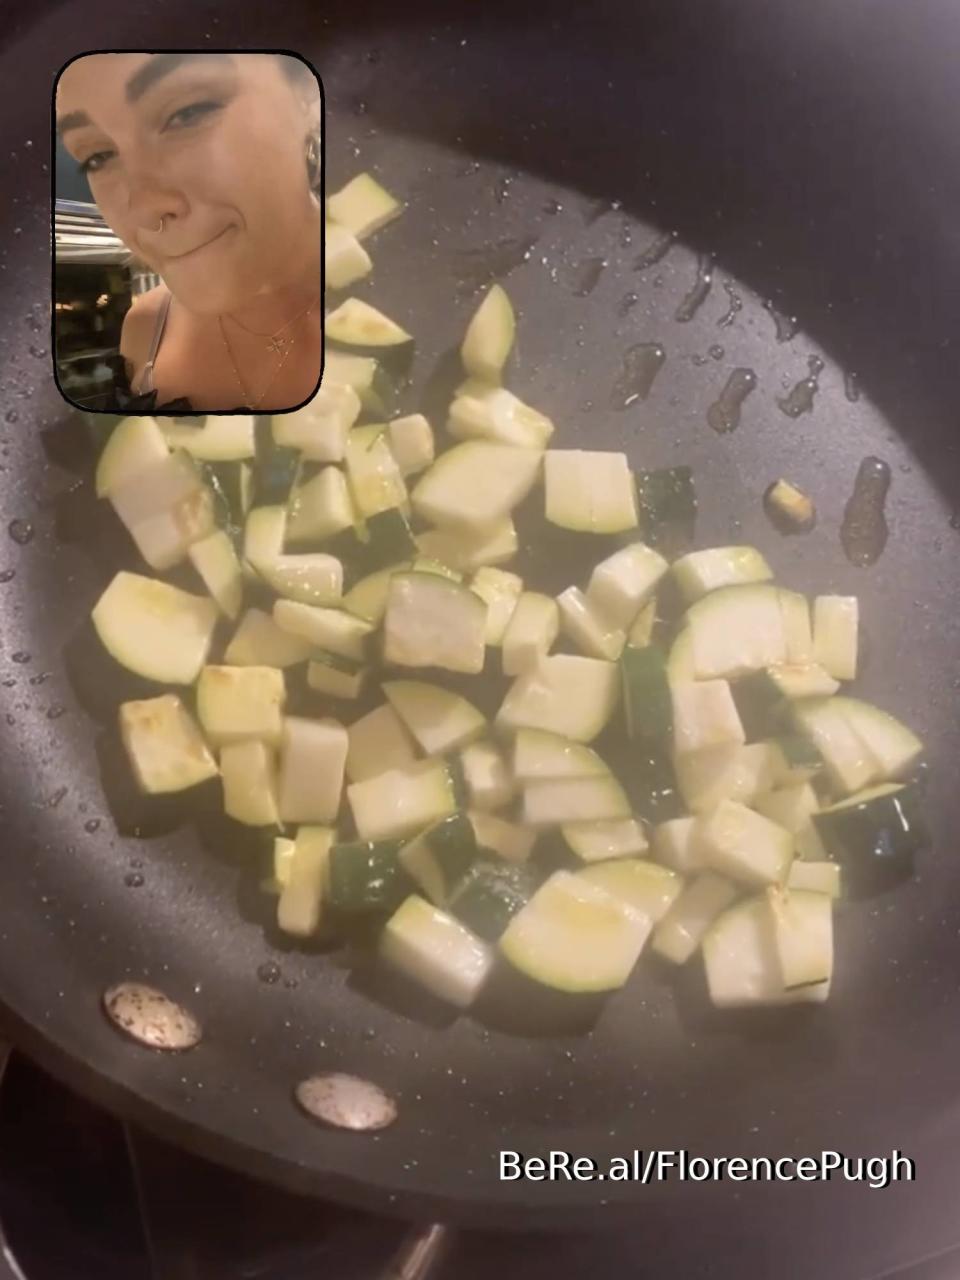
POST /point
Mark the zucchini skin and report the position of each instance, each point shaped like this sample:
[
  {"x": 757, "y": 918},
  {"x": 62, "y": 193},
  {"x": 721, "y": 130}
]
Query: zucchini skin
[
  {"x": 366, "y": 876},
  {"x": 275, "y": 469},
  {"x": 648, "y": 706},
  {"x": 877, "y": 840},
  {"x": 490, "y": 895}
]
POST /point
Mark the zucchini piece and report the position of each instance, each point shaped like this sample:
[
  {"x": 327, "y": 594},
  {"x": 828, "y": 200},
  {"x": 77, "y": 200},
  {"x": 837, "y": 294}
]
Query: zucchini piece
[
  {"x": 574, "y": 936},
  {"x": 895, "y": 748},
  {"x": 489, "y": 337},
  {"x": 250, "y": 783},
  {"x": 438, "y": 719},
  {"x": 320, "y": 508},
  {"x": 587, "y": 628},
  {"x": 600, "y": 841},
  {"x": 376, "y": 483},
  {"x": 736, "y": 630},
  {"x": 215, "y": 560},
  {"x": 681, "y": 930},
  {"x": 802, "y": 936},
  {"x": 156, "y": 491},
  {"x": 640, "y": 634},
  {"x": 589, "y": 491},
  {"x": 476, "y": 483},
  {"x": 300, "y": 906},
  {"x": 495, "y": 414},
  {"x": 363, "y": 206},
  {"x": 439, "y": 857},
  {"x": 437, "y": 951},
  {"x": 623, "y": 583},
  {"x": 741, "y": 961},
  {"x": 367, "y": 598},
  {"x": 795, "y": 759},
  {"x": 468, "y": 549},
  {"x": 793, "y": 808},
  {"x": 667, "y": 506},
  {"x": 234, "y": 703},
  {"x": 501, "y": 591},
  {"x": 345, "y": 261},
  {"x": 564, "y": 694},
  {"x": 373, "y": 384},
  {"x": 704, "y": 716},
  {"x": 377, "y": 743},
  {"x": 165, "y": 539},
  {"x": 402, "y": 801},
  {"x": 276, "y": 465},
  {"x": 333, "y": 630},
  {"x": 808, "y": 681},
  {"x": 532, "y": 629},
  {"x": 680, "y": 667},
  {"x": 538, "y": 754},
  {"x": 790, "y": 510},
  {"x": 647, "y": 696},
  {"x": 835, "y": 624},
  {"x": 335, "y": 676},
  {"x": 263, "y": 537},
  {"x": 315, "y": 579},
  {"x": 675, "y": 843},
  {"x": 165, "y": 748},
  {"x": 433, "y": 622},
  {"x": 876, "y": 833},
  {"x": 283, "y": 851},
  {"x": 850, "y": 764},
  {"x": 135, "y": 445},
  {"x": 705, "y": 778},
  {"x": 423, "y": 564},
  {"x": 815, "y": 877},
  {"x": 366, "y": 876},
  {"x": 653, "y": 788},
  {"x": 699, "y": 572},
  {"x": 761, "y": 704},
  {"x": 259, "y": 642},
  {"x": 363, "y": 330},
  {"x": 153, "y": 629},
  {"x": 312, "y": 758},
  {"x": 641, "y": 886},
  {"x": 384, "y": 540},
  {"x": 222, "y": 438},
  {"x": 798, "y": 632},
  {"x": 508, "y": 840},
  {"x": 411, "y": 442},
  {"x": 744, "y": 845},
  {"x": 553, "y": 801},
  {"x": 489, "y": 895},
  {"x": 488, "y": 781}
]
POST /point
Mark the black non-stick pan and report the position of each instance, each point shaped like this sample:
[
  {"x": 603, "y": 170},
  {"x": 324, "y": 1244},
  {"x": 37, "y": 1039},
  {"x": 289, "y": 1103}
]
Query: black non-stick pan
[{"x": 811, "y": 150}]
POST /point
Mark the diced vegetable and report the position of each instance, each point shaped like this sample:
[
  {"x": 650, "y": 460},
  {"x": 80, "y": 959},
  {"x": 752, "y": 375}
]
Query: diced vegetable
[
  {"x": 732, "y": 772},
  {"x": 488, "y": 780},
  {"x": 411, "y": 442},
  {"x": 320, "y": 508},
  {"x": 667, "y": 505},
  {"x": 553, "y": 801},
  {"x": 433, "y": 622},
  {"x": 234, "y": 703},
  {"x": 623, "y": 583},
  {"x": 802, "y": 936},
  {"x": 466, "y": 549},
  {"x": 276, "y": 466},
  {"x": 681, "y": 930},
  {"x": 835, "y": 622},
  {"x": 681, "y": 668},
  {"x": 501, "y": 591},
  {"x": 493, "y": 413},
  {"x": 378, "y": 742},
  {"x": 401, "y": 801},
  {"x": 375, "y": 481},
  {"x": 157, "y": 490},
  {"x": 363, "y": 206},
  {"x": 647, "y": 697},
  {"x": 489, "y": 336},
  {"x": 532, "y": 629},
  {"x": 166, "y": 749},
  {"x": 375, "y": 387},
  {"x": 808, "y": 681},
  {"x": 440, "y": 856},
  {"x": 332, "y": 629},
  {"x": 642, "y": 886},
  {"x": 705, "y": 715},
  {"x": 736, "y": 630},
  {"x": 222, "y": 438},
  {"x": 894, "y": 747},
  {"x": 538, "y": 754},
  {"x": 250, "y": 783},
  {"x": 263, "y": 537},
  {"x": 338, "y": 677},
  {"x": 363, "y": 329},
  {"x": 154, "y": 629},
  {"x": 344, "y": 258},
  {"x": 741, "y": 960},
  {"x": 793, "y": 808},
  {"x": 816, "y": 877},
  {"x": 641, "y": 629},
  {"x": 315, "y": 579},
  {"x": 135, "y": 445},
  {"x": 476, "y": 483},
  {"x": 367, "y": 598},
  {"x": 700, "y": 572},
  {"x": 789, "y": 508},
  {"x": 301, "y": 899},
  {"x": 259, "y": 642},
  {"x": 319, "y": 430},
  {"x": 589, "y": 491},
  {"x": 165, "y": 539},
  {"x": 436, "y": 950},
  {"x": 745, "y": 845},
  {"x": 795, "y": 759},
  {"x": 875, "y": 833},
  {"x": 599, "y": 841},
  {"x": 283, "y": 851},
  {"x": 438, "y": 719},
  {"x": 508, "y": 839},
  {"x": 675, "y": 843},
  {"x": 367, "y": 876},
  {"x": 849, "y": 762},
  {"x": 798, "y": 633},
  {"x": 587, "y": 628},
  {"x": 215, "y": 560},
  {"x": 489, "y": 895},
  {"x": 312, "y": 758},
  {"x": 564, "y": 694}
]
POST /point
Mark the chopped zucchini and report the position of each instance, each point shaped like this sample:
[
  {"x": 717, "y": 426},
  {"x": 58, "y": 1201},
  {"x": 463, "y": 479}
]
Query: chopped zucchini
[
  {"x": 554, "y": 801},
  {"x": 378, "y": 742},
  {"x": 215, "y": 560},
  {"x": 320, "y": 508},
  {"x": 793, "y": 808},
  {"x": 807, "y": 681},
  {"x": 741, "y": 960},
  {"x": 165, "y": 539},
  {"x": 647, "y": 696},
  {"x": 250, "y": 783},
  {"x": 439, "y": 857},
  {"x": 312, "y": 757},
  {"x": 166, "y": 749},
  {"x": 153, "y": 629},
  {"x": 234, "y": 703},
  {"x": 590, "y": 491},
  {"x": 798, "y": 633},
  {"x": 875, "y": 833},
  {"x": 489, "y": 895},
  {"x": 283, "y": 851},
  {"x": 894, "y": 747},
  {"x": 334, "y": 630},
  {"x": 599, "y": 841},
  {"x": 675, "y": 843},
  {"x": 641, "y": 886},
  {"x": 375, "y": 481},
  {"x": 367, "y": 876},
  {"x": 300, "y": 905},
  {"x": 501, "y": 591},
  {"x": 849, "y": 762},
  {"x": 681, "y": 930},
  {"x": 789, "y": 508},
  {"x": 488, "y": 781},
  {"x": 344, "y": 258},
  {"x": 495, "y": 414},
  {"x": 367, "y": 598},
  {"x": 532, "y": 629},
  {"x": 564, "y": 694},
  {"x": 667, "y": 504},
  {"x": 795, "y": 759},
  {"x": 432, "y": 621},
  {"x": 731, "y": 772},
  {"x": 835, "y": 620},
  {"x": 735, "y": 630},
  {"x": 338, "y": 677},
  {"x": 315, "y": 579},
  {"x": 402, "y": 801},
  {"x": 438, "y": 719},
  {"x": 259, "y": 642},
  {"x": 383, "y": 540},
  {"x": 802, "y": 936},
  {"x": 411, "y": 442},
  {"x": 364, "y": 374},
  {"x": 489, "y": 336},
  {"x": 222, "y": 438},
  {"x": 700, "y": 572},
  {"x": 745, "y": 845},
  {"x": 623, "y": 583},
  {"x": 157, "y": 490},
  {"x": 509, "y": 840},
  {"x": 476, "y": 483},
  {"x": 640, "y": 634},
  {"x": 263, "y": 537},
  {"x": 704, "y": 716},
  {"x": 468, "y": 549},
  {"x": 815, "y": 877},
  {"x": 587, "y": 627},
  {"x": 135, "y": 445},
  {"x": 437, "y": 951},
  {"x": 680, "y": 668},
  {"x": 363, "y": 330},
  {"x": 538, "y": 754},
  {"x": 363, "y": 206},
  {"x": 320, "y": 429}
]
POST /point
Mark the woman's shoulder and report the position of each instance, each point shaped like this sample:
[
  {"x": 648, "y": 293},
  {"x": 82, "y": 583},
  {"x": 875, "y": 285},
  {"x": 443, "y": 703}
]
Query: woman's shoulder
[{"x": 138, "y": 328}]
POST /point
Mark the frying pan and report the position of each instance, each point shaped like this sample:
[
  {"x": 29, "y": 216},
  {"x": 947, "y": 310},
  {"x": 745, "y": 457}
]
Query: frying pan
[{"x": 812, "y": 151}]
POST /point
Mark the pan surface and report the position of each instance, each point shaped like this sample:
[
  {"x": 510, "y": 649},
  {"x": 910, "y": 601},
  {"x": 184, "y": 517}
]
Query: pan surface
[{"x": 550, "y": 153}]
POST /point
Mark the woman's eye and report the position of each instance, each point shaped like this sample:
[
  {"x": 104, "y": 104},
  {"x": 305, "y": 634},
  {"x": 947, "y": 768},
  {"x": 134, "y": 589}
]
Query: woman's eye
[
  {"x": 94, "y": 162},
  {"x": 189, "y": 114}
]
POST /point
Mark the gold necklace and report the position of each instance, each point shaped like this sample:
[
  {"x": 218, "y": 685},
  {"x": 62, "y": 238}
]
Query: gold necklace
[
  {"x": 274, "y": 342},
  {"x": 249, "y": 403}
]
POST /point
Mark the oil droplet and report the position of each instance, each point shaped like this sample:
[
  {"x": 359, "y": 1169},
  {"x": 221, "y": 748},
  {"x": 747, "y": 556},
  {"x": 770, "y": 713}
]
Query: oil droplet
[
  {"x": 55, "y": 712},
  {"x": 626, "y": 302},
  {"x": 735, "y": 307},
  {"x": 290, "y": 983},
  {"x": 553, "y": 207},
  {"x": 699, "y": 360},
  {"x": 655, "y": 251},
  {"x": 368, "y": 1033},
  {"x": 269, "y": 972},
  {"x": 851, "y": 387},
  {"x": 590, "y": 273},
  {"x": 641, "y": 364},
  {"x": 724, "y": 414},
  {"x": 799, "y": 400},
  {"x": 91, "y": 825},
  {"x": 133, "y": 880},
  {"x": 21, "y": 656},
  {"x": 716, "y": 352},
  {"x": 502, "y": 189},
  {"x": 21, "y": 531},
  {"x": 864, "y": 531},
  {"x": 56, "y": 798},
  {"x": 11, "y": 416},
  {"x": 40, "y": 678},
  {"x": 37, "y": 352},
  {"x": 787, "y": 326},
  {"x": 699, "y": 291},
  {"x": 8, "y": 575}
]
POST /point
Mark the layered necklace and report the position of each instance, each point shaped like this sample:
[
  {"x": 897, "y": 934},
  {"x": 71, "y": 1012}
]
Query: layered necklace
[{"x": 276, "y": 343}]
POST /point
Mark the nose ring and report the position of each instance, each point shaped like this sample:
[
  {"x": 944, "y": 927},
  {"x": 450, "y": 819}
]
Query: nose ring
[{"x": 162, "y": 220}]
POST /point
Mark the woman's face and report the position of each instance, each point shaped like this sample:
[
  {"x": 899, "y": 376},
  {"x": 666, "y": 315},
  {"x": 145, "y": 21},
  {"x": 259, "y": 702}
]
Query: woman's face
[{"x": 214, "y": 145}]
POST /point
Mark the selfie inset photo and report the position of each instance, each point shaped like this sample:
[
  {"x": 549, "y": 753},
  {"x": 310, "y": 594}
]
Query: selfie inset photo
[{"x": 189, "y": 232}]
